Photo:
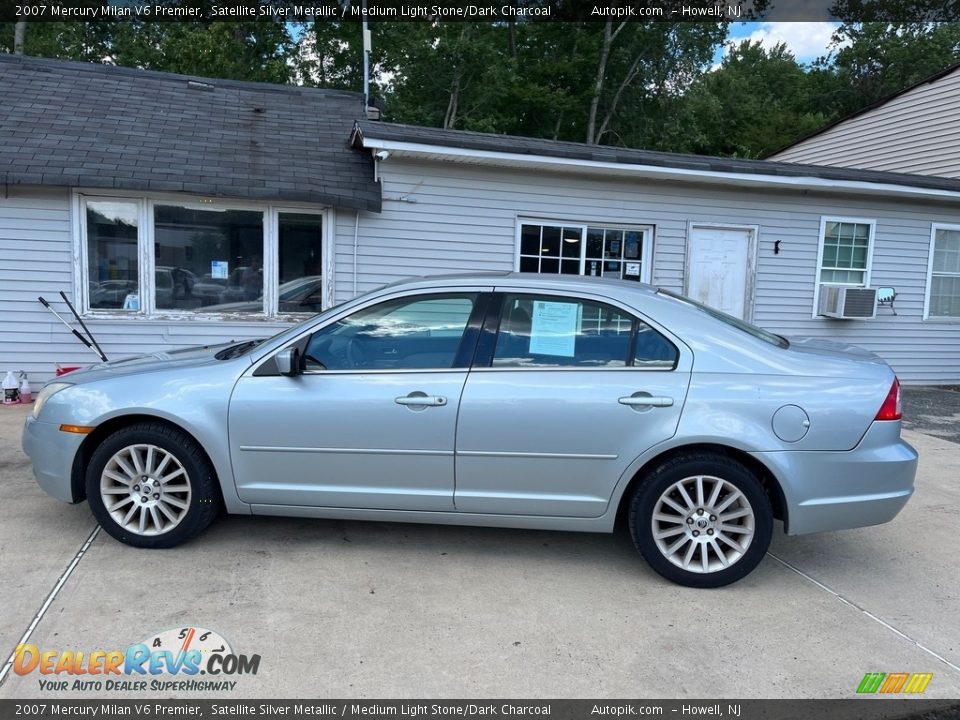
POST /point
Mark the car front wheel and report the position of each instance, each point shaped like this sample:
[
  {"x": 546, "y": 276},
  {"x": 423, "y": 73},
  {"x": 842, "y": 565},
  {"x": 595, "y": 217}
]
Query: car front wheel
[
  {"x": 701, "y": 520},
  {"x": 151, "y": 485}
]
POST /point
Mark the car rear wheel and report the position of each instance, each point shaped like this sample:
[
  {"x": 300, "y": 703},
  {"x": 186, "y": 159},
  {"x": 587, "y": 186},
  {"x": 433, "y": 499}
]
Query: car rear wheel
[
  {"x": 151, "y": 485},
  {"x": 701, "y": 519}
]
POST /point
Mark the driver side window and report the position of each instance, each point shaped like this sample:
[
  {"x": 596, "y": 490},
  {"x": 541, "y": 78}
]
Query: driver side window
[{"x": 422, "y": 332}]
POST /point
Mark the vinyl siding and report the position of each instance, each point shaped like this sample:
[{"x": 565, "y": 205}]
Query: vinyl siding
[
  {"x": 917, "y": 132},
  {"x": 36, "y": 258},
  {"x": 460, "y": 217}
]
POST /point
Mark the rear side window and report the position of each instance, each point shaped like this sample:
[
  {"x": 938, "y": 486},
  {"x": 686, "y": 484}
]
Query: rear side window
[{"x": 545, "y": 331}]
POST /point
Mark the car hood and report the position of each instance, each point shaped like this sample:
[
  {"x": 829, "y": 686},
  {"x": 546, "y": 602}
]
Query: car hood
[
  {"x": 832, "y": 348},
  {"x": 151, "y": 362}
]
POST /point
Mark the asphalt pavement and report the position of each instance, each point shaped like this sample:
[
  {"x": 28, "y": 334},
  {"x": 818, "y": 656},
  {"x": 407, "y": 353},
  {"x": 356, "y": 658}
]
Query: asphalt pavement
[{"x": 932, "y": 410}]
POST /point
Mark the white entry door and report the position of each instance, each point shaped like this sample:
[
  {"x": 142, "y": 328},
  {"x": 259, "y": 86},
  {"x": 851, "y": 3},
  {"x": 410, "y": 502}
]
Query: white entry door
[{"x": 719, "y": 267}]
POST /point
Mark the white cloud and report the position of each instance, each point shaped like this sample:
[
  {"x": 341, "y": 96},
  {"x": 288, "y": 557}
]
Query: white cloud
[{"x": 806, "y": 40}]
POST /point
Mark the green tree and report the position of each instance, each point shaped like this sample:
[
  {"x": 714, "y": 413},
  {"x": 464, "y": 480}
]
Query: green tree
[
  {"x": 874, "y": 60},
  {"x": 259, "y": 51},
  {"x": 755, "y": 102},
  {"x": 329, "y": 54}
]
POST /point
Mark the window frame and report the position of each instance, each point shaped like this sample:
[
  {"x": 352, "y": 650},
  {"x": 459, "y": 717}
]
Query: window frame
[
  {"x": 929, "y": 286},
  {"x": 646, "y": 247},
  {"x": 868, "y": 270},
  {"x": 146, "y": 256},
  {"x": 466, "y": 346},
  {"x": 264, "y": 365},
  {"x": 486, "y": 347}
]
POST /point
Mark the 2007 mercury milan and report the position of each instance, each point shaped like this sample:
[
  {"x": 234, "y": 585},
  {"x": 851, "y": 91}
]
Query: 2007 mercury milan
[{"x": 506, "y": 400}]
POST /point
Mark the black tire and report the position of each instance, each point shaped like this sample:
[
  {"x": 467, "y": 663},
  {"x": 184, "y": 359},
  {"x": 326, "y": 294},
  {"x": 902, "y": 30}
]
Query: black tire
[
  {"x": 711, "y": 466},
  {"x": 204, "y": 498}
]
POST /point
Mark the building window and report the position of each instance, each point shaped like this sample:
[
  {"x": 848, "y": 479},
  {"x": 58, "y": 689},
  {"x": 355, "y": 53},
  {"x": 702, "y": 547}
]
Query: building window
[
  {"x": 208, "y": 259},
  {"x": 845, "y": 251},
  {"x": 943, "y": 281},
  {"x": 575, "y": 249},
  {"x": 300, "y": 261},
  {"x": 113, "y": 267},
  {"x": 144, "y": 256}
]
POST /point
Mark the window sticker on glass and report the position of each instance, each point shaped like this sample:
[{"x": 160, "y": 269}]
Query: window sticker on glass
[
  {"x": 632, "y": 270},
  {"x": 553, "y": 328},
  {"x": 219, "y": 269}
]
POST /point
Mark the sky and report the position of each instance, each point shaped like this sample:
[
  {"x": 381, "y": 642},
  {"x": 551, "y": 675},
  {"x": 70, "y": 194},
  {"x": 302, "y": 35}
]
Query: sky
[{"x": 807, "y": 40}]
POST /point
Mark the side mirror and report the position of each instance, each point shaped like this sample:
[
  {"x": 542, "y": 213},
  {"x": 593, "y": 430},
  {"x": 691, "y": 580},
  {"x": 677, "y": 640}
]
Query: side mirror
[{"x": 288, "y": 361}]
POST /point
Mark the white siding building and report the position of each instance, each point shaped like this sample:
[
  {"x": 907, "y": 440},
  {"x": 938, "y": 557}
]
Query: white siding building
[
  {"x": 915, "y": 131},
  {"x": 240, "y": 254}
]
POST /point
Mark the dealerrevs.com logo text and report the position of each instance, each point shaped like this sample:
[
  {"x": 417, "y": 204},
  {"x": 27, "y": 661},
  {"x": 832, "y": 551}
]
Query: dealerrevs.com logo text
[{"x": 153, "y": 664}]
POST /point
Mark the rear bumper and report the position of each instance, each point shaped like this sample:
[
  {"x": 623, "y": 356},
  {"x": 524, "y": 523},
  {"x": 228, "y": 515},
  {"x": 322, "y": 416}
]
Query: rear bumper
[
  {"x": 52, "y": 453},
  {"x": 865, "y": 486}
]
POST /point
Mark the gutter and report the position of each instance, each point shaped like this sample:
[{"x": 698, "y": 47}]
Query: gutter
[{"x": 713, "y": 177}]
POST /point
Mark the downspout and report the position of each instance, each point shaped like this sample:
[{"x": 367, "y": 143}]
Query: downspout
[{"x": 356, "y": 233}]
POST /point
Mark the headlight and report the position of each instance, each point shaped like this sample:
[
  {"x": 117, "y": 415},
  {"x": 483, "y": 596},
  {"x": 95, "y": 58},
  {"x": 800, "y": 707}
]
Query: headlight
[{"x": 47, "y": 392}]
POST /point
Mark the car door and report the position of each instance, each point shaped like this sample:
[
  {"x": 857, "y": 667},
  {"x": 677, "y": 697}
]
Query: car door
[
  {"x": 370, "y": 420},
  {"x": 573, "y": 390}
]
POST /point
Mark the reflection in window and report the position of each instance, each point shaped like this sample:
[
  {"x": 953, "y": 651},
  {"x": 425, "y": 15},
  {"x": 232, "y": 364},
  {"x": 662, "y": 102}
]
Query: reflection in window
[
  {"x": 582, "y": 250},
  {"x": 112, "y": 267},
  {"x": 208, "y": 259},
  {"x": 403, "y": 334},
  {"x": 301, "y": 250},
  {"x": 945, "y": 274},
  {"x": 561, "y": 332},
  {"x": 845, "y": 249}
]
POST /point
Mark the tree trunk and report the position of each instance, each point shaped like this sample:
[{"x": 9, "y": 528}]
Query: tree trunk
[
  {"x": 19, "y": 35},
  {"x": 609, "y": 35},
  {"x": 627, "y": 80},
  {"x": 451, "y": 116}
]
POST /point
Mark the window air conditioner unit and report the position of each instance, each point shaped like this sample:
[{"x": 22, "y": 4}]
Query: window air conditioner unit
[{"x": 848, "y": 303}]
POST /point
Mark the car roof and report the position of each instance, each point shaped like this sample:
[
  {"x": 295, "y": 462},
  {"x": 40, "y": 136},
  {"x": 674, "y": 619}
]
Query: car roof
[{"x": 529, "y": 280}]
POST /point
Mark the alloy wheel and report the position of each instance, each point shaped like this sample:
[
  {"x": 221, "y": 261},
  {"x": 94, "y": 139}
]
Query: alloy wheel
[
  {"x": 145, "y": 489},
  {"x": 703, "y": 524}
]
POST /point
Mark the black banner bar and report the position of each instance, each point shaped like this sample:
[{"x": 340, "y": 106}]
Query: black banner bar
[
  {"x": 474, "y": 11},
  {"x": 853, "y": 709}
]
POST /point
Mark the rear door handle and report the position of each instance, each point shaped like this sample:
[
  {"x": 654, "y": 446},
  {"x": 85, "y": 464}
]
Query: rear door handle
[
  {"x": 646, "y": 401},
  {"x": 421, "y": 399}
]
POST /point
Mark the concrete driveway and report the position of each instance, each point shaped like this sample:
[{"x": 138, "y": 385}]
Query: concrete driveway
[{"x": 387, "y": 610}]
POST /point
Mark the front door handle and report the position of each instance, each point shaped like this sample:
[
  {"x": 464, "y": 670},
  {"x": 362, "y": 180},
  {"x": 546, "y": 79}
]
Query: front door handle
[
  {"x": 421, "y": 399},
  {"x": 644, "y": 400}
]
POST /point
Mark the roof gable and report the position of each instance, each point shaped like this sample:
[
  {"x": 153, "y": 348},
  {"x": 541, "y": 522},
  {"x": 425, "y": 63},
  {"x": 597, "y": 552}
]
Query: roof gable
[
  {"x": 911, "y": 131},
  {"x": 105, "y": 127}
]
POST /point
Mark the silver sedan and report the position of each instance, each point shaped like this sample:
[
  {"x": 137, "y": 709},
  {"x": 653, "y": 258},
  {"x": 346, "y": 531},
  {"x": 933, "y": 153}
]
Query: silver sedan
[{"x": 502, "y": 400}]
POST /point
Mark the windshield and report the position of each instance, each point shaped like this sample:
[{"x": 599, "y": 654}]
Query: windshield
[{"x": 742, "y": 325}]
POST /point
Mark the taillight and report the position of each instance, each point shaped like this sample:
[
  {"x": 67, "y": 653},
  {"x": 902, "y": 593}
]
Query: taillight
[{"x": 891, "y": 408}]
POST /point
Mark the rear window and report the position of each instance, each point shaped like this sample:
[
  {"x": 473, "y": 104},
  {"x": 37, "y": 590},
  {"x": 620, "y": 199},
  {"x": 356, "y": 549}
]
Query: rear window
[{"x": 741, "y": 325}]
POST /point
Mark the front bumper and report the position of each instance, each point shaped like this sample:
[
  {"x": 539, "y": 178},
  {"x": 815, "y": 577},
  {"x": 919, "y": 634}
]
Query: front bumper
[
  {"x": 52, "y": 453},
  {"x": 865, "y": 486}
]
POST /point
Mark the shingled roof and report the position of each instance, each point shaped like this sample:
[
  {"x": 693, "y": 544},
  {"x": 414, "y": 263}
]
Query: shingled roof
[
  {"x": 99, "y": 126},
  {"x": 533, "y": 147}
]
